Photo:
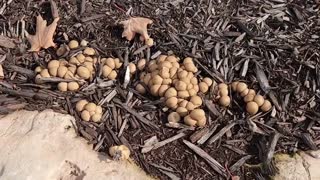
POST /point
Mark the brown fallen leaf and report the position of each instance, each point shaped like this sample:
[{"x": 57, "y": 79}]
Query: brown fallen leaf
[
  {"x": 44, "y": 34},
  {"x": 136, "y": 25}
]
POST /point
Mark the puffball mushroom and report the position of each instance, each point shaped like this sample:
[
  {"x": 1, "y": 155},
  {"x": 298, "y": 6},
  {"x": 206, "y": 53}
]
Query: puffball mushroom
[
  {"x": 190, "y": 106},
  {"x": 140, "y": 89},
  {"x": 196, "y": 100},
  {"x": 244, "y": 92},
  {"x": 73, "y": 44},
  {"x": 141, "y": 64},
  {"x": 84, "y": 43},
  {"x": 90, "y": 107},
  {"x": 155, "y": 89},
  {"x": 53, "y": 71},
  {"x": 241, "y": 87},
  {"x": 81, "y": 104},
  {"x": 258, "y": 99},
  {"x": 162, "y": 58},
  {"x": 80, "y": 58},
  {"x": 63, "y": 86},
  {"x": 149, "y": 42},
  {"x": 171, "y": 92},
  {"x": 189, "y": 121},
  {"x": 183, "y": 94},
  {"x": 248, "y": 98},
  {"x": 182, "y": 111},
  {"x": 180, "y": 86},
  {"x": 207, "y": 80},
  {"x": 224, "y": 101},
  {"x": 197, "y": 113},
  {"x": 174, "y": 117},
  {"x": 83, "y": 72},
  {"x": 266, "y": 106},
  {"x": 234, "y": 86},
  {"x": 110, "y": 62},
  {"x": 53, "y": 64},
  {"x": 96, "y": 117},
  {"x": 157, "y": 79},
  {"x": 117, "y": 63},
  {"x": 252, "y": 108},
  {"x": 132, "y": 68},
  {"x": 85, "y": 115},
  {"x": 171, "y": 102},
  {"x": 62, "y": 70},
  {"x": 45, "y": 73},
  {"x": 38, "y": 69},
  {"x": 112, "y": 75},
  {"x": 223, "y": 86},
  {"x": 73, "y": 86},
  {"x": 163, "y": 88},
  {"x": 106, "y": 70},
  {"x": 89, "y": 51},
  {"x": 121, "y": 152},
  {"x": 203, "y": 87},
  {"x": 223, "y": 92}
]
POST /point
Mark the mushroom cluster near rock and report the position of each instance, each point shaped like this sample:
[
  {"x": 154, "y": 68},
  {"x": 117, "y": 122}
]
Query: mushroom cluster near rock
[{"x": 89, "y": 111}]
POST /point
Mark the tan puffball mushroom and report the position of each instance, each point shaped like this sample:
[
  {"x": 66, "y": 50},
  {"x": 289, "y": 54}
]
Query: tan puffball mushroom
[
  {"x": 196, "y": 100},
  {"x": 223, "y": 86},
  {"x": 203, "y": 87},
  {"x": 140, "y": 89},
  {"x": 183, "y": 94},
  {"x": 132, "y": 68},
  {"x": 183, "y": 103},
  {"x": 161, "y": 58},
  {"x": 163, "y": 88},
  {"x": 189, "y": 121},
  {"x": 152, "y": 67},
  {"x": 53, "y": 64},
  {"x": 62, "y": 70},
  {"x": 187, "y": 60},
  {"x": 197, "y": 114},
  {"x": 84, "y": 43},
  {"x": 141, "y": 64},
  {"x": 146, "y": 78},
  {"x": 118, "y": 63},
  {"x": 196, "y": 88},
  {"x": 72, "y": 69},
  {"x": 45, "y": 73},
  {"x": 80, "y": 105},
  {"x": 166, "y": 81},
  {"x": 98, "y": 109},
  {"x": 85, "y": 115},
  {"x": 241, "y": 87},
  {"x": 154, "y": 73},
  {"x": 53, "y": 71},
  {"x": 88, "y": 59},
  {"x": 112, "y": 75},
  {"x": 224, "y": 101},
  {"x": 244, "y": 93},
  {"x": 208, "y": 81},
  {"x": 194, "y": 81},
  {"x": 258, "y": 99},
  {"x": 173, "y": 71},
  {"x": 223, "y": 92},
  {"x": 80, "y": 57},
  {"x": 190, "y": 106},
  {"x": 190, "y": 67},
  {"x": 171, "y": 92},
  {"x": 171, "y": 102},
  {"x": 182, "y": 74},
  {"x": 89, "y": 51},
  {"x": 121, "y": 152},
  {"x": 89, "y": 66},
  {"x": 73, "y": 86},
  {"x": 38, "y": 69},
  {"x": 73, "y": 44},
  {"x": 252, "y": 108},
  {"x": 63, "y": 86},
  {"x": 149, "y": 42},
  {"x": 266, "y": 106},
  {"x": 189, "y": 86},
  {"x": 234, "y": 85},
  {"x": 74, "y": 60},
  {"x": 192, "y": 92},
  {"x": 164, "y": 73},
  {"x": 174, "y": 117},
  {"x": 96, "y": 117},
  {"x": 166, "y": 64},
  {"x": 157, "y": 79},
  {"x": 202, "y": 121},
  {"x": 90, "y": 107},
  {"x": 172, "y": 59},
  {"x": 110, "y": 62},
  {"x": 83, "y": 72},
  {"x": 63, "y": 62},
  {"x": 106, "y": 70},
  {"x": 154, "y": 90},
  {"x": 182, "y": 111},
  {"x": 180, "y": 86},
  {"x": 248, "y": 98}
]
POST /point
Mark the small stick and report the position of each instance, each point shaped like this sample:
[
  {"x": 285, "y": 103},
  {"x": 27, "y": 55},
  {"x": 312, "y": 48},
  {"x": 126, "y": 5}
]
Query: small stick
[
  {"x": 212, "y": 162},
  {"x": 164, "y": 142},
  {"x": 221, "y": 133},
  {"x": 83, "y": 7},
  {"x": 54, "y": 9}
]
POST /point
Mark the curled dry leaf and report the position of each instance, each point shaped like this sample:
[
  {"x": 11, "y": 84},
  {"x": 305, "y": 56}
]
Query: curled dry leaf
[
  {"x": 136, "y": 25},
  {"x": 44, "y": 34}
]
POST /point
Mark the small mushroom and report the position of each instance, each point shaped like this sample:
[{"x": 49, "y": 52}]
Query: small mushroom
[
  {"x": 89, "y": 51},
  {"x": 73, "y": 44},
  {"x": 91, "y": 107},
  {"x": 85, "y": 115},
  {"x": 80, "y": 105},
  {"x": 190, "y": 106},
  {"x": 132, "y": 68},
  {"x": 96, "y": 117},
  {"x": 203, "y": 87},
  {"x": 234, "y": 86},
  {"x": 140, "y": 89},
  {"x": 106, "y": 70},
  {"x": 196, "y": 100},
  {"x": 258, "y": 99},
  {"x": 141, "y": 64},
  {"x": 73, "y": 86},
  {"x": 266, "y": 106},
  {"x": 241, "y": 87},
  {"x": 63, "y": 86},
  {"x": 98, "y": 110},
  {"x": 81, "y": 58},
  {"x": 171, "y": 102},
  {"x": 164, "y": 73},
  {"x": 189, "y": 121},
  {"x": 174, "y": 117},
  {"x": 83, "y": 72},
  {"x": 252, "y": 107},
  {"x": 171, "y": 92},
  {"x": 155, "y": 89},
  {"x": 163, "y": 89},
  {"x": 62, "y": 70},
  {"x": 197, "y": 113},
  {"x": 183, "y": 94},
  {"x": 110, "y": 62},
  {"x": 223, "y": 86},
  {"x": 180, "y": 86},
  {"x": 117, "y": 63},
  {"x": 112, "y": 75},
  {"x": 244, "y": 93},
  {"x": 182, "y": 111},
  {"x": 224, "y": 101},
  {"x": 84, "y": 43},
  {"x": 161, "y": 58},
  {"x": 248, "y": 98},
  {"x": 157, "y": 79},
  {"x": 223, "y": 92},
  {"x": 208, "y": 81},
  {"x": 149, "y": 42},
  {"x": 45, "y": 73},
  {"x": 53, "y": 64}
]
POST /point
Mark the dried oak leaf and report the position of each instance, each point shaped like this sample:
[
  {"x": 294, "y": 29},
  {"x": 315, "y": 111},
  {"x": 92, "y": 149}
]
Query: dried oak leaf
[
  {"x": 136, "y": 25},
  {"x": 44, "y": 34}
]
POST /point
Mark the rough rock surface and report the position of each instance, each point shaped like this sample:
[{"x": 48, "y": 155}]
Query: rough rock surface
[{"x": 43, "y": 145}]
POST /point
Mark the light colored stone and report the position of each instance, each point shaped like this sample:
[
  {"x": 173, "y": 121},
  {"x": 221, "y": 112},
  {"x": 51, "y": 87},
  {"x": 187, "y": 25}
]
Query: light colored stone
[{"x": 43, "y": 145}]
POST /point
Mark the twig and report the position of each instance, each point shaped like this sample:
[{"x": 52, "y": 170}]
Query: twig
[
  {"x": 164, "y": 142},
  {"x": 221, "y": 133},
  {"x": 205, "y": 137},
  {"x": 239, "y": 163},
  {"x": 83, "y": 7},
  {"x": 54, "y": 9},
  {"x": 212, "y": 162}
]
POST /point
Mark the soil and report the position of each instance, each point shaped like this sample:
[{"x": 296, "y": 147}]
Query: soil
[{"x": 233, "y": 40}]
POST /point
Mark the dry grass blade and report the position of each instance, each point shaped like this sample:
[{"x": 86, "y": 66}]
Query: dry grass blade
[
  {"x": 212, "y": 162},
  {"x": 221, "y": 133},
  {"x": 164, "y": 142}
]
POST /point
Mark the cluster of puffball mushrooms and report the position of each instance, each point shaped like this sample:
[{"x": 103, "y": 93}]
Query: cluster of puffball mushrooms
[
  {"x": 89, "y": 111},
  {"x": 80, "y": 66},
  {"x": 177, "y": 84}
]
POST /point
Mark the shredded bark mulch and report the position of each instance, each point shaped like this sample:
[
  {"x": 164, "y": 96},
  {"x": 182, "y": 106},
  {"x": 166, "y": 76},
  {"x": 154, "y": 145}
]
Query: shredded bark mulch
[{"x": 272, "y": 45}]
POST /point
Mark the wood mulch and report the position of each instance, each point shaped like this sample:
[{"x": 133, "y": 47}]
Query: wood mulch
[{"x": 273, "y": 45}]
